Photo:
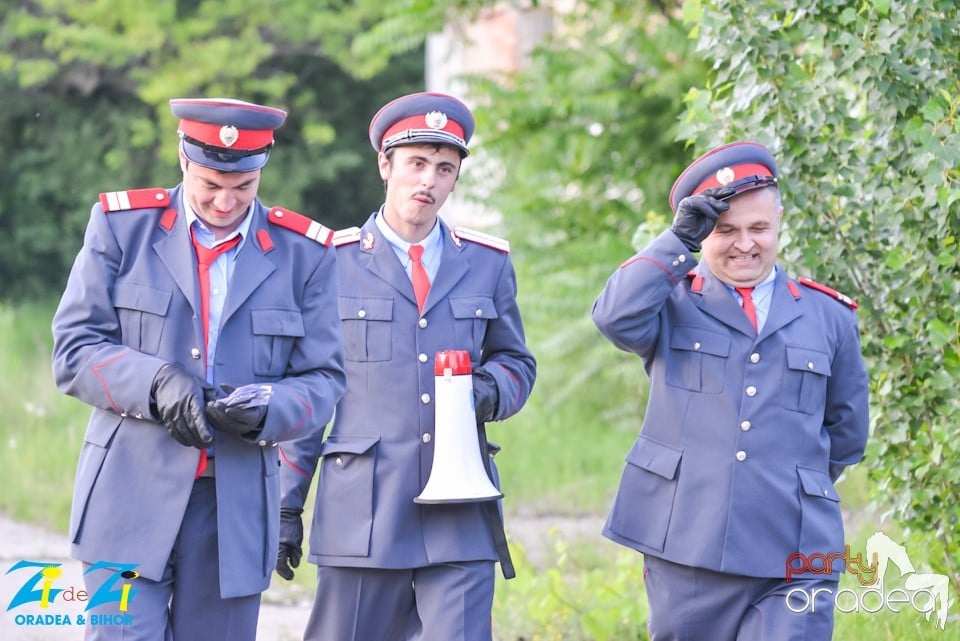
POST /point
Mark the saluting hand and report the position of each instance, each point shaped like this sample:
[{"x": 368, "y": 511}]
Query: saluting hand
[{"x": 696, "y": 215}]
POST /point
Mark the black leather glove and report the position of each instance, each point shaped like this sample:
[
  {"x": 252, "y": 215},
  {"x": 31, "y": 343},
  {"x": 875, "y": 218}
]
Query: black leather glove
[
  {"x": 180, "y": 402},
  {"x": 242, "y": 411},
  {"x": 696, "y": 215},
  {"x": 291, "y": 540},
  {"x": 486, "y": 396}
]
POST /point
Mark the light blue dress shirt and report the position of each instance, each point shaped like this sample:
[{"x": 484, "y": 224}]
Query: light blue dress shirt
[
  {"x": 761, "y": 297},
  {"x": 432, "y": 247},
  {"x": 220, "y": 273}
]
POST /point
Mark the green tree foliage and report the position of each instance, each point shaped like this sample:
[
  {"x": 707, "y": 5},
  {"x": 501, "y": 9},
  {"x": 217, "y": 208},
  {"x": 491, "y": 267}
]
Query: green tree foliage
[
  {"x": 580, "y": 146},
  {"x": 861, "y": 104},
  {"x": 86, "y": 85}
]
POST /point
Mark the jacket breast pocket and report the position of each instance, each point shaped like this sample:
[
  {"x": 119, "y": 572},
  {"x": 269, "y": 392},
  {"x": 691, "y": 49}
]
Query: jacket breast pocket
[
  {"x": 367, "y": 334},
  {"x": 698, "y": 360},
  {"x": 274, "y": 332},
  {"x": 347, "y": 473},
  {"x": 141, "y": 310},
  {"x": 470, "y": 317},
  {"x": 804, "y": 387},
  {"x": 644, "y": 503}
]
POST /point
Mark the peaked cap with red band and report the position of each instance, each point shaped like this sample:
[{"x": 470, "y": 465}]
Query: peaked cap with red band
[
  {"x": 742, "y": 165},
  {"x": 225, "y": 134},
  {"x": 422, "y": 118}
]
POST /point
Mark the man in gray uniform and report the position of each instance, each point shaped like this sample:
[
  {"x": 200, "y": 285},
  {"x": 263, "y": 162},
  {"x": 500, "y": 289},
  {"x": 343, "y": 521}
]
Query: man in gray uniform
[
  {"x": 175, "y": 294},
  {"x": 410, "y": 286},
  {"x": 758, "y": 401}
]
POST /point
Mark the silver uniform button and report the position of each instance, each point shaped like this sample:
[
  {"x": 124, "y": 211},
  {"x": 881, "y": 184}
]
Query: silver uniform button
[
  {"x": 422, "y": 323},
  {"x": 423, "y": 358},
  {"x": 426, "y": 438},
  {"x": 478, "y": 313},
  {"x": 810, "y": 365},
  {"x": 424, "y": 398},
  {"x": 751, "y": 391},
  {"x": 262, "y": 443},
  {"x": 682, "y": 258},
  {"x": 338, "y": 461},
  {"x": 676, "y": 263},
  {"x": 741, "y": 456},
  {"x": 195, "y": 353},
  {"x": 745, "y": 426},
  {"x": 697, "y": 346},
  {"x": 362, "y": 313},
  {"x": 754, "y": 358}
]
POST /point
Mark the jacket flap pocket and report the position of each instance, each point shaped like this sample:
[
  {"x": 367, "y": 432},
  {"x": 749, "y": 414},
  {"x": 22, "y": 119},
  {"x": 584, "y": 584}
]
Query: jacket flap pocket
[
  {"x": 695, "y": 339},
  {"x": 342, "y": 445},
  {"x": 101, "y": 428},
  {"x": 277, "y": 322},
  {"x": 655, "y": 457},
  {"x": 817, "y": 483},
  {"x": 473, "y": 307},
  {"x": 808, "y": 360},
  {"x": 354, "y": 308},
  {"x": 141, "y": 298}
]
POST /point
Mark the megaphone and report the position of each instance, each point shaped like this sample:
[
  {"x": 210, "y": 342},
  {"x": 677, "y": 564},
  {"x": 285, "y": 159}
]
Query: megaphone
[{"x": 458, "y": 474}]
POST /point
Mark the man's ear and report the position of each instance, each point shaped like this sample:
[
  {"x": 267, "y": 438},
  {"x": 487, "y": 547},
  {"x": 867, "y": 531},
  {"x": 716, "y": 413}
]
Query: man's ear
[{"x": 383, "y": 163}]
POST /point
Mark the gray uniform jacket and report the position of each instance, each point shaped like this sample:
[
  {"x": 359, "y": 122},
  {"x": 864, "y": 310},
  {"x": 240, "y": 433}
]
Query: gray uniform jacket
[
  {"x": 379, "y": 452},
  {"x": 132, "y": 304},
  {"x": 743, "y": 434}
]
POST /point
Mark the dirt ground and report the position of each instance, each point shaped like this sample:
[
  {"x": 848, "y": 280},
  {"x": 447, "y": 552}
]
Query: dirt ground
[{"x": 284, "y": 608}]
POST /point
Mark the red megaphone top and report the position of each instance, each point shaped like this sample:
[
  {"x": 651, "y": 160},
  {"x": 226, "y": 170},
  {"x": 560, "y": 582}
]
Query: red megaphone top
[{"x": 455, "y": 360}]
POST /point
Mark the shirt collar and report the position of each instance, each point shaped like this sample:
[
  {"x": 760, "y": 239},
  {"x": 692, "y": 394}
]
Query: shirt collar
[{"x": 429, "y": 243}]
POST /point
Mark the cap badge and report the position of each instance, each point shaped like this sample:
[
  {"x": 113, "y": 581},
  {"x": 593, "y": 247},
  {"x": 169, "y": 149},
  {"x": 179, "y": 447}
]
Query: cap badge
[
  {"x": 367, "y": 241},
  {"x": 229, "y": 135},
  {"x": 725, "y": 176},
  {"x": 436, "y": 119}
]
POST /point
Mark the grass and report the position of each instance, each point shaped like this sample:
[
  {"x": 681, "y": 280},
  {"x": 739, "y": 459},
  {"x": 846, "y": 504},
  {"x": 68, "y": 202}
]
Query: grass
[
  {"x": 562, "y": 456},
  {"x": 43, "y": 429}
]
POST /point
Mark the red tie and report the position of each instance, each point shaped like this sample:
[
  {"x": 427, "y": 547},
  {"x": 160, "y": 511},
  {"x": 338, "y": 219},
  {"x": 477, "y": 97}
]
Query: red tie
[
  {"x": 748, "y": 308},
  {"x": 205, "y": 258},
  {"x": 421, "y": 282}
]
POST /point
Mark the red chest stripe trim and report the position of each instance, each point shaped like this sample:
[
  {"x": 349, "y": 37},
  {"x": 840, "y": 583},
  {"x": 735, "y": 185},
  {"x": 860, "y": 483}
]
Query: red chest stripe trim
[
  {"x": 301, "y": 224},
  {"x": 637, "y": 259},
  {"x": 843, "y": 298},
  {"x": 134, "y": 199}
]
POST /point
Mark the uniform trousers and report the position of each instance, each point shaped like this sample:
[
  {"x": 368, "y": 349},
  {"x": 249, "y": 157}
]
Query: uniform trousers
[
  {"x": 449, "y": 601},
  {"x": 185, "y": 604},
  {"x": 694, "y": 604}
]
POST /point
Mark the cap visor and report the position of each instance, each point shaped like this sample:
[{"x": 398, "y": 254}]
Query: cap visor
[{"x": 227, "y": 163}]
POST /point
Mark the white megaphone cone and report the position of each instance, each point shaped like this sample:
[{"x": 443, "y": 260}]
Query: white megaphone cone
[{"x": 458, "y": 474}]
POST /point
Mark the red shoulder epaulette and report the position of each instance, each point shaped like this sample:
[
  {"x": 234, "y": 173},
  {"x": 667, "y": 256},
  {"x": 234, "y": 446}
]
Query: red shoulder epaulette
[
  {"x": 134, "y": 199},
  {"x": 480, "y": 238},
  {"x": 301, "y": 224},
  {"x": 346, "y": 236},
  {"x": 843, "y": 298}
]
